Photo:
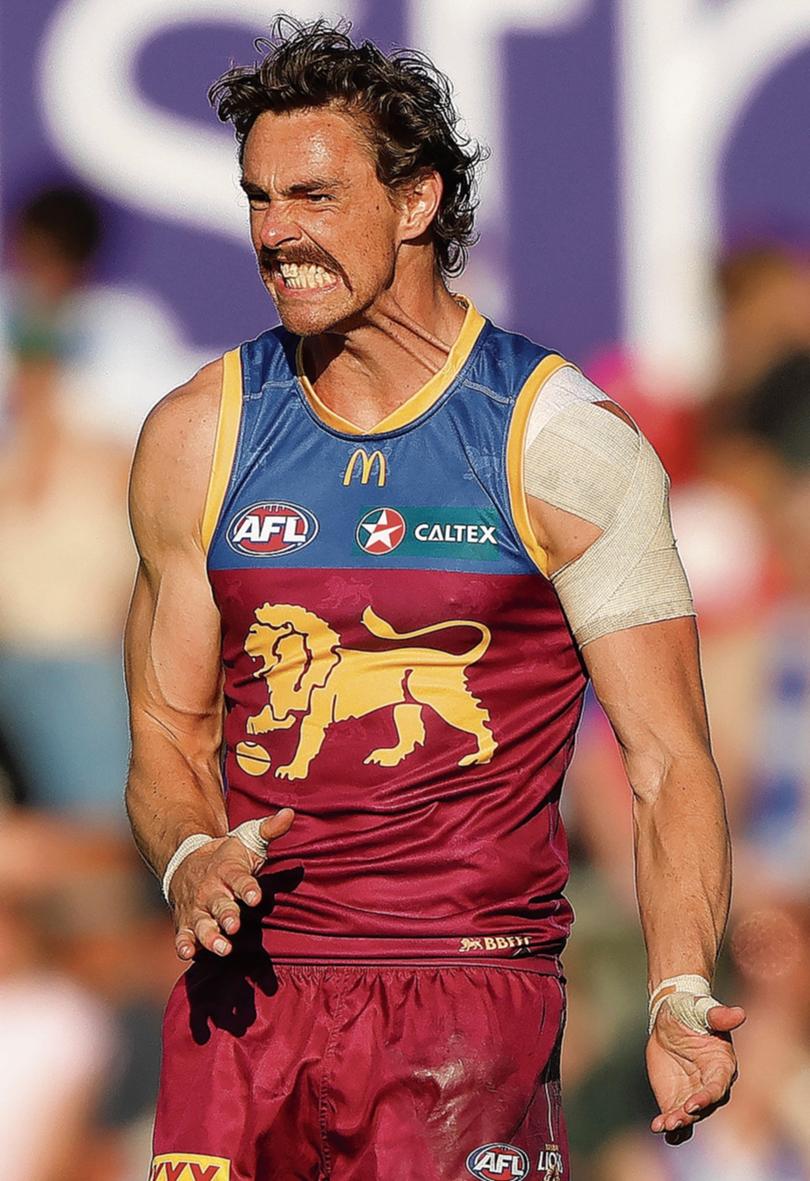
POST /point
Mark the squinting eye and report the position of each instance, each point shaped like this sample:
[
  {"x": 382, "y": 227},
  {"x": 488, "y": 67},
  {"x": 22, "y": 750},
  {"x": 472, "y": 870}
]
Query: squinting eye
[{"x": 320, "y": 197}]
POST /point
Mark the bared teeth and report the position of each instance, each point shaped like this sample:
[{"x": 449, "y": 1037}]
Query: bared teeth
[{"x": 305, "y": 275}]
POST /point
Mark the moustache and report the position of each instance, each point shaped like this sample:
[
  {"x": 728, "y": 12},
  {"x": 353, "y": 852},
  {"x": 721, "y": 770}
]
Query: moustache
[{"x": 270, "y": 259}]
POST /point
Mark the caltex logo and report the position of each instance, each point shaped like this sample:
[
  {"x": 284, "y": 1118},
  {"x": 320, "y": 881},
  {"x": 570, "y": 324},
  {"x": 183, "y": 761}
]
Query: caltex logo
[
  {"x": 271, "y": 529},
  {"x": 498, "y": 1162},
  {"x": 380, "y": 531}
]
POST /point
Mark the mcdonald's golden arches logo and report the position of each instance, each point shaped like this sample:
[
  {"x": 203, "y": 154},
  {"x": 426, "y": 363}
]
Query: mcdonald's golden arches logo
[{"x": 366, "y": 464}]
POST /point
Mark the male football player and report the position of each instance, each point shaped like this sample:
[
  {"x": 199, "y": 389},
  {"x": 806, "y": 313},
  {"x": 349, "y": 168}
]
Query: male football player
[{"x": 383, "y": 548}]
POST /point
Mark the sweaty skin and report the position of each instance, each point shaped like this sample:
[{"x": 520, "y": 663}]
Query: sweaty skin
[{"x": 351, "y": 267}]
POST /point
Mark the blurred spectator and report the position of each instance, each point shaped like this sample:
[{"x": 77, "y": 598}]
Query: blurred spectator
[
  {"x": 776, "y": 410},
  {"x": 91, "y": 944},
  {"x": 668, "y": 414},
  {"x": 119, "y": 350},
  {"x": 65, "y": 580},
  {"x": 774, "y": 827},
  {"x": 57, "y": 1049},
  {"x": 764, "y": 291},
  {"x": 84, "y": 364}
]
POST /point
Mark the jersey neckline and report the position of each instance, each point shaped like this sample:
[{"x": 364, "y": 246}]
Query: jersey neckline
[{"x": 419, "y": 402}]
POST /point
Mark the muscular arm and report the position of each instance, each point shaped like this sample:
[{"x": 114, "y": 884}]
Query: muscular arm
[
  {"x": 647, "y": 678},
  {"x": 174, "y": 678},
  {"x": 648, "y": 681},
  {"x": 172, "y": 635}
]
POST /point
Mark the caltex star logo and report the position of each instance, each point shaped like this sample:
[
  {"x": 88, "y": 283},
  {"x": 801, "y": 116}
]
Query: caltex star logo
[{"x": 380, "y": 531}]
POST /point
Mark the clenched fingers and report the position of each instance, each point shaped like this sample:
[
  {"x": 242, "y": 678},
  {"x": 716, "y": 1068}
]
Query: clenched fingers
[
  {"x": 207, "y": 925},
  {"x": 204, "y": 932},
  {"x": 243, "y": 886},
  {"x": 209, "y": 935},
  {"x": 185, "y": 943},
  {"x": 226, "y": 912}
]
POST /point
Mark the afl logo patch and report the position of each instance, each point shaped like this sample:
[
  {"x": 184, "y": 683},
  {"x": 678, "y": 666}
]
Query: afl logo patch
[
  {"x": 498, "y": 1162},
  {"x": 272, "y": 528},
  {"x": 380, "y": 531}
]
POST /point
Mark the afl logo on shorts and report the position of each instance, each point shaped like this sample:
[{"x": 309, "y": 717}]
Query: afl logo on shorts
[
  {"x": 271, "y": 529},
  {"x": 498, "y": 1162},
  {"x": 380, "y": 531}
]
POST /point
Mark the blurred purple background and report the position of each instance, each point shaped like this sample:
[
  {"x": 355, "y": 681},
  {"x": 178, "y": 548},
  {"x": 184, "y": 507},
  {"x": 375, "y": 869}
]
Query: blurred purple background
[{"x": 645, "y": 211}]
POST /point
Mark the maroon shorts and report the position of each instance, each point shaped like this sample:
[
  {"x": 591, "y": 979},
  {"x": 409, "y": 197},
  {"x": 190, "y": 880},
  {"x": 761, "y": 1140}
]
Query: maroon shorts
[{"x": 418, "y": 1072}]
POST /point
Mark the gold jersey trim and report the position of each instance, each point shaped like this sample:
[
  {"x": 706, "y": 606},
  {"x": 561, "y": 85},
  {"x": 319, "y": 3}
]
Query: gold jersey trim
[
  {"x": 515, "y": 457},
  {"x": 230, "y": 414},
  {"x": 418, "y": 403}
]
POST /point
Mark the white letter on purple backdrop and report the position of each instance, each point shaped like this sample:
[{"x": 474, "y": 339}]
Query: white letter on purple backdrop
[
  {"x": 688, "y": 70},
  {"x": 125, "y": 146}
]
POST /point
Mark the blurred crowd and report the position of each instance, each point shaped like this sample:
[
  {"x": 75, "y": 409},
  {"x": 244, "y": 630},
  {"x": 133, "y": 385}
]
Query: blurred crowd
[{"x": 86, "y": 955}]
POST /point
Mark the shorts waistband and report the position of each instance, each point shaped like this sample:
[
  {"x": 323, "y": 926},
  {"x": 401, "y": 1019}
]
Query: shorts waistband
[{"x": 503, "y": 951}]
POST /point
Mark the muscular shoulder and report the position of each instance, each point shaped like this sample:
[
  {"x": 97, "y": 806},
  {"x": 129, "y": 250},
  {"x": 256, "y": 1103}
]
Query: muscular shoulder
[{"x": 172, "y": 463}]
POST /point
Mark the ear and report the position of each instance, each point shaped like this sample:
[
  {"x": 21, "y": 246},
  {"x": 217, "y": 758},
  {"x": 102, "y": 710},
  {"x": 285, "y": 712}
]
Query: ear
[{"x": 420, "y": 201}]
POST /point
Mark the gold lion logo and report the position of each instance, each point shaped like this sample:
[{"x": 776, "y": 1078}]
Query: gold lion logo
[
  {"x": 470, "y": 944},
  {"x": 308, "y": 673}
]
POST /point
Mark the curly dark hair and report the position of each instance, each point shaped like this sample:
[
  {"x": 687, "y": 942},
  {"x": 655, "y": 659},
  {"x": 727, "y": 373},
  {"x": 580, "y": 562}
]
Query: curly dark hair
[{"x": 405, "y": 103}]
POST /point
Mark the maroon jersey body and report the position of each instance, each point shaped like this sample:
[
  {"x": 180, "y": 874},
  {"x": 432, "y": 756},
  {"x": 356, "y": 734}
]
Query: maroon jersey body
[{"x": 397, "y": 665}]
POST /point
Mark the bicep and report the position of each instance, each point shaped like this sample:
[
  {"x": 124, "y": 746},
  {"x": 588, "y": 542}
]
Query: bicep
[{"x": 172, "y": 642}]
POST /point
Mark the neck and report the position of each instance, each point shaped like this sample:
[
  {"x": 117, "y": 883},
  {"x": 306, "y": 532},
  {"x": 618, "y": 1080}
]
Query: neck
[{"x": 368, "y": 370}]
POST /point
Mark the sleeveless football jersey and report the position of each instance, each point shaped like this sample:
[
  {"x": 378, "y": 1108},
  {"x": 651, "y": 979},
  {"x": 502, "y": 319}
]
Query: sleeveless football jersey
[{"x": 397, "y": 666}]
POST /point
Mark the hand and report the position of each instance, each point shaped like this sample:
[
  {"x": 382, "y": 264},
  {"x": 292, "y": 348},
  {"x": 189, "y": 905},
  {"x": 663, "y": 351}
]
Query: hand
[
  {"x": 691, "y": 1074},
  {"x": 209, "y": 885}
]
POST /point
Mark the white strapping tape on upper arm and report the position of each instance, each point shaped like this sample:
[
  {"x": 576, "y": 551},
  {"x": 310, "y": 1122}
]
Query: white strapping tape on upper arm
[
  {"x": 565, "y": 388},
  {"x": 589, "y": 462},
  {"x": 583, "y": 460}
]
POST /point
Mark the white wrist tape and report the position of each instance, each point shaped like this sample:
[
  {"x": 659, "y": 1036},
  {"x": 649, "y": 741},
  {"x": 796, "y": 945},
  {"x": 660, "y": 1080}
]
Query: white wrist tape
[
  {"x": 249, "y": 833},
  {"x": 189, "y": 845},
  {"x": 689, "y": 999}
]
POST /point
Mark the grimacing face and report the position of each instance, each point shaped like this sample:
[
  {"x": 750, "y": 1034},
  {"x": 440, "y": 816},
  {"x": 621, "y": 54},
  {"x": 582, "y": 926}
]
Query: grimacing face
[{"x": 325, "y": 230}]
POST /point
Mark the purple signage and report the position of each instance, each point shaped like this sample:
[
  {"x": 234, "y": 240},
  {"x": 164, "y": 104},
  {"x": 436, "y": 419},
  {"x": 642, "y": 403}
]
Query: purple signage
[{"x": 628, "y": 139}]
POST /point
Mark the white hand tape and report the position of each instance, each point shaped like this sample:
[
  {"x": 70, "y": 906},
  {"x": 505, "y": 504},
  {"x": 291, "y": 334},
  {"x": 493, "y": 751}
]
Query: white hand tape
[
  {"x": 689, "y": 999},
  {"x": 249, "y": 833}
]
